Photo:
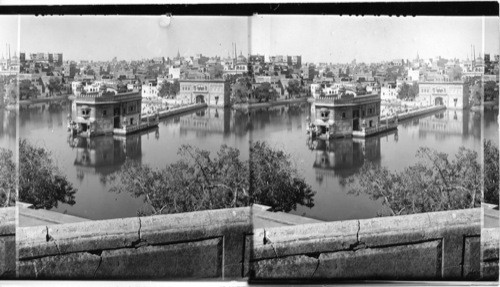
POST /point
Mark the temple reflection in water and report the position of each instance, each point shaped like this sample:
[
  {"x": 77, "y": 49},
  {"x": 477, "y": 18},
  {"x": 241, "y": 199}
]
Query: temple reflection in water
[
  {"x": 105, "y": 154},
  {"x": 344, "y": 157},
  {"x": 451, "y": 123},
  {"x": 208, "y": 121}
]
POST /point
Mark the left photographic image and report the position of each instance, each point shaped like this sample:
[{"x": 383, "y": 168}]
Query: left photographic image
[
  {"x": 9, "y": 68},
  {"x": 128, "y": 170}
]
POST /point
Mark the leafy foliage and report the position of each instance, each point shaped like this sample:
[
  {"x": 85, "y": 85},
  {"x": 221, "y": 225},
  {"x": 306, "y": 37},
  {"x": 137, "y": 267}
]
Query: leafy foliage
[
  {"x": 293, "y": 87},
  {"x": 491, "y": 171},
  {"x": 27, "y": 90},
  {"x": 455, "y": 73},
  {"x": 490, "y": 91},
  {"x": 199, "y": 181},
  {"x": 168, "y": 89},
  {"x": 408, "y": 91},
  {"x": 54, "y": 85},
  {"x": 7, "y": 178},
  {"x": 265, "y": 93},
  {"x": 274, "y": 181},
  {"x": 40, "y": 181},
  {"x": 433, "y": 184}
]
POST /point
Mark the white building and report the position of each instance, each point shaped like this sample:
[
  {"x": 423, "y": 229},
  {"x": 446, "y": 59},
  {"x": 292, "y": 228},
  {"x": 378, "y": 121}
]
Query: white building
[
  {"x": 413, "y": 75},
  {"x": 149, "y": 91},
  {"x": 174, "y": 73},
  {"x": 389, "y": 93}
]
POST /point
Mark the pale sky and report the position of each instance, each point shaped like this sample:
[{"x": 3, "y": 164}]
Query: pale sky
[
  {"x": 372, "y": 39},
  {"x": 316, "y": 38},
  {"x": 8, "y": 35},
  {"x": 132, "y": 37}
]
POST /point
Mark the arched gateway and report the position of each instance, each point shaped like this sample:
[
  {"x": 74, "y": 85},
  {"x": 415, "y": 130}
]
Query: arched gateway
[{"x": 200, "y": 99}]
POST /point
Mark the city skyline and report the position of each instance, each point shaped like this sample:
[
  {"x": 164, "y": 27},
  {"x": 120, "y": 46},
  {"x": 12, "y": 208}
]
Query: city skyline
[{"x": 367, "y": 39}]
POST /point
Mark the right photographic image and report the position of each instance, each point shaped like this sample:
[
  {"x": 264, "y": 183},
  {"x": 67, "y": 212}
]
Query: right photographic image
[{"x": 389, "y": 129}]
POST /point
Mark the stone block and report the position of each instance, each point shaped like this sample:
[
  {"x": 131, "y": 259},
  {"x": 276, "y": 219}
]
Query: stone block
[
  {"x": 490, "y": 243},
  {"x": 82, "y": 265},
  {"x": 233, "y": 224},
  {"x": 412, "y": 261},
  {"x": 472, "y": 258},
  {"x": 7, "y": 220},
  {"x": 201, "y": 259},
  {"x": 39, "y": 241},
  {"x": 304, "y": 239},
  {"x": 418, "y": 227},
  {"x": 195, "y": 225},
  {"x": 489, "y": 271},
  {"x": 7, "y": 257},
  {"x": 290, "y": 267}
]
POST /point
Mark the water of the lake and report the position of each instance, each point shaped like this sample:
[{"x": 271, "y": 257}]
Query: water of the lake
[{"x": 85, "y": 162}]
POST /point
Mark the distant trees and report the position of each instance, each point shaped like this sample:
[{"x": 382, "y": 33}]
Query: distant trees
[
  {"x": 200, "y": 181},
  {"x": 169, "y": 89},
  {"x": 360, "y": 89},
  {"x": 490, "y": 91},
  {"x": 455, "y": 73},
  {"x": 265, "y": 93},
  {"x": 27, "y": 90},
  {"x": 54, "y": 85},
  {"x": 41, "y": 183},
  {"x": 241, "y": 91},
  {"x": 407, "y": 91},
  {"x": 433, "y": 184},
  {"x": 7, "y": 178},
  {"x": 293, "y": 87},
  {"x": 121, "y": 87},
  {"x": 491, "y": 171}
]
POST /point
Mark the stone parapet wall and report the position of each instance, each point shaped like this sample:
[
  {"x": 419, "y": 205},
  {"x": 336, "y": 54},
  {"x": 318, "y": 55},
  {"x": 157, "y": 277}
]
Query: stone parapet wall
[
  {"x": 428, "y": 246},
  {"x": 7, "y": 242},
  {"x": 490, "y": 240},
  {"x": 204, "y": 244}
]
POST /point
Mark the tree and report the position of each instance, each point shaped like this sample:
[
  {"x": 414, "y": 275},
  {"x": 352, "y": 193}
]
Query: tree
[
  {"x": 199, "y": 181},
  {"x": 169, "y": 89},
  {"x": 41, "y": 183},
  {"x": 403, "y": 92},
  {"x": 121, "y": 87},
  {"x": 455, "y": 73},
  {"x": 54, "y": 85},
  {"x": 175, "y": 87},
  {"x": 360, "y": 89},
  {"x": 27, "y": 90},
  {"x": 490, "y": 91},
  {"x": 7, "y": 178},
  {"x": 164, "y": 89},
  {"x": 240, "y": 92},
  {"x": 293, "y": 87},
  {"x": 491, "y": 171},
  {"x": 274, "y": 181},
  {"x": 433, "y": 184},
  {"x": 407, "y": 91}
]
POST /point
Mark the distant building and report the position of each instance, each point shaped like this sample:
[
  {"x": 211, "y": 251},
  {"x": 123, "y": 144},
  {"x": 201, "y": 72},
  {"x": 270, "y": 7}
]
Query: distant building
[
  {"x": 253, "y": 59},
  {"x": 389, "y": 93},
  {"x": 149, "y": 91},
  {"x": 342, "y": 114},
  {"x": 413, "y": 75},
  {"x": 294, "y": 61},
  {"x": 98, "y": 113},
  {"x": 454, "y": 95},
  {"x": 213, "y": 92}
]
